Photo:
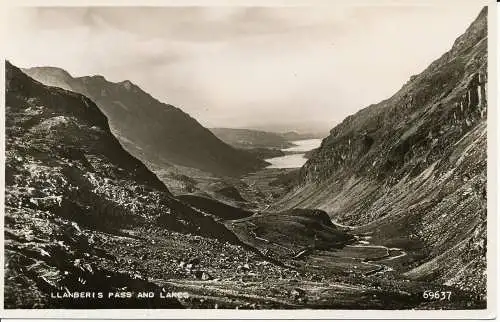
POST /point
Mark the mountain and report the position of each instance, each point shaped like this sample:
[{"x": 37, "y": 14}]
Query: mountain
[
  {"x": 151, "y": 130},
  {"x": 411, "y": 170},
  {"x": 83, "y": 215}
]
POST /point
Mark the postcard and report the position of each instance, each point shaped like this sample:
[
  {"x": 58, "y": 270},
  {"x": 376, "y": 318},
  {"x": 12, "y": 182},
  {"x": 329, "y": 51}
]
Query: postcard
[{"x": 302, "y": 159}]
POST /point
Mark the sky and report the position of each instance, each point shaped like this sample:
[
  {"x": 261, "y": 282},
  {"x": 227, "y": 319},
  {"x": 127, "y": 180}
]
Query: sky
[{"x": 274, "y": 68}]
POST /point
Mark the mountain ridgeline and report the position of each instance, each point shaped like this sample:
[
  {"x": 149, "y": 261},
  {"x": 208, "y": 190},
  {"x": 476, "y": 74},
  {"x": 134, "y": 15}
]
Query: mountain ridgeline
[
  {"x": 412, "y": 168},
  {"x": 151, "y": 130}
]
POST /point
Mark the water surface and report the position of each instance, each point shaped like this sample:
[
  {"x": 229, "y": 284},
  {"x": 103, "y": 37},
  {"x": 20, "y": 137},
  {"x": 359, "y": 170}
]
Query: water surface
[{"x": 296, "y": 159}]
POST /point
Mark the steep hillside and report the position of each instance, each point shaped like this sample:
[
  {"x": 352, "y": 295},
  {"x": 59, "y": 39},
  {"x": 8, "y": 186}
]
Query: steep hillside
[
  {"x": 151, "y": 130},
  {"x": 411, "y": 170},
  {"x": 83, "y": 215}
]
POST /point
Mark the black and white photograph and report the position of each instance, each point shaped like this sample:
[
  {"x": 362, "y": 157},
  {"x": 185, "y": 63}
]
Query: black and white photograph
[{"x": 315, "y": 157}]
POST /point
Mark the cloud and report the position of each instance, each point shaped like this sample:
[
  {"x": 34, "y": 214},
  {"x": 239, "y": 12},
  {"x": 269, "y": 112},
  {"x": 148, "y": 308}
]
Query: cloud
[{"x": 245, "y": 66}]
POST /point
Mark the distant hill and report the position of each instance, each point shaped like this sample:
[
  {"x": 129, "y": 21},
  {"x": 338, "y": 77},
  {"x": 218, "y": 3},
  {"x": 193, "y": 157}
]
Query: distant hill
[
  {"x": 249, "y": 139},
  {"x": 151, "y": 130}
]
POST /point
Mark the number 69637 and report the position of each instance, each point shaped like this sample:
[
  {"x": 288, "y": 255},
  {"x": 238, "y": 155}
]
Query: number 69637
[{"x": 437, "y": 295}]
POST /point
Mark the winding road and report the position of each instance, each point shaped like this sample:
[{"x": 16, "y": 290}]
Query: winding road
[{"x": 363, "y": 242}]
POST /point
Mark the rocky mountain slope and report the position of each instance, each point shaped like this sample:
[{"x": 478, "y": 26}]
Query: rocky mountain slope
[
  {"x": 83, "y": 215},
  {"x": 151, "y": 130},
  {"x": 411, "y": 170}
]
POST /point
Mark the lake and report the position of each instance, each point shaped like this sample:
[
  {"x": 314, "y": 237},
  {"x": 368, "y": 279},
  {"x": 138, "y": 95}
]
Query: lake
[{"x": 296, "y": 159}]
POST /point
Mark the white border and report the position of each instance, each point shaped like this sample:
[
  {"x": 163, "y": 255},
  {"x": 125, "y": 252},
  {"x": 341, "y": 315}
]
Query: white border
[{"x": 493, "y": 140}]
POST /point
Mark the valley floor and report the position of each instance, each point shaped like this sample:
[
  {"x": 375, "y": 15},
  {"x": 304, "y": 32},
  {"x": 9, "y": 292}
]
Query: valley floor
[
  {"x": 220, "y": 275},
  {"x": 360, "y": 274}
]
